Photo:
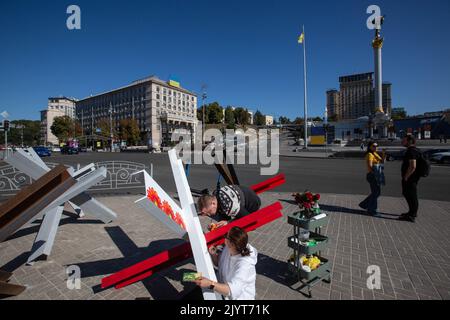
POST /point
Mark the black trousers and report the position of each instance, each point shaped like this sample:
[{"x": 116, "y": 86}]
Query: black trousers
[{"x": 409, "y": 189}]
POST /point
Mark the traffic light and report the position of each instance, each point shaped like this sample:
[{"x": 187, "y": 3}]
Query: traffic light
[{"x": 6, "y": 125}]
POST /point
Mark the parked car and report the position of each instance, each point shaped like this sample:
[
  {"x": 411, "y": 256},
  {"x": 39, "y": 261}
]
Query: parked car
[
  {"x": 443, "y": 158},
  {"x": 395, "y": 155},
  {"x": 430, "y": 153},
  {"x": 42, "y": 151},
  {"x": 56, "y": 149},
  {"x": 69, "y": 150},
  {"x": 82, "y": 149}
]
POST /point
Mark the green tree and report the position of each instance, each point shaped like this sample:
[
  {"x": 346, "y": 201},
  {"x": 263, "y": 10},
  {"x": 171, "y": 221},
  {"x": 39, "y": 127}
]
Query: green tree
[
  {"x": 260, "y": 120},
  {"x": 399, "y": 115},
  {"x": 129, "y": 131},
  {"x": 299, "y": 121},
  {"x": 229, "y": 118},
  {"x": 284, "y": 120},
  {"x": 241, "y": 116},
  {"x": 29, "y": 130},
  {"x": 214, "y": 113},
  {"x": 333, "y": 118},
  {"x": 63, "y": 128},
  {"x": 317, "y": 119}
]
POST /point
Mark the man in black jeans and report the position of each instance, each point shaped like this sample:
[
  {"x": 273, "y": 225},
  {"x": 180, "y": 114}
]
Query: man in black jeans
[{"x": 410, "y": 178}]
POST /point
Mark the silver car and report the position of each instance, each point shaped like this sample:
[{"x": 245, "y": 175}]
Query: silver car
[{"x": 443, "y": 158}]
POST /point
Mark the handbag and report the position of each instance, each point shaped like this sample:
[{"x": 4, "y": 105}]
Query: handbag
[{"x": 378, "y": 170}]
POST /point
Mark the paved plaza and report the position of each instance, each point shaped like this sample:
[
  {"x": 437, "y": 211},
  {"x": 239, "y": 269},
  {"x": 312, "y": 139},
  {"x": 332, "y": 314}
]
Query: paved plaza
[{"x": 414, "y": 258}]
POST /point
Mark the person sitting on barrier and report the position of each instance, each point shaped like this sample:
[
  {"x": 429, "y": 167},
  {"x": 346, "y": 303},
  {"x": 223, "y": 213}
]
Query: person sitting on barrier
[
  {"x": 236, "y": 263},
  {"x": 229, "y": 203}
]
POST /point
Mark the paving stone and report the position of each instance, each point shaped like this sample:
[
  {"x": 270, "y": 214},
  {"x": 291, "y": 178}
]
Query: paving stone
[{"x": 414, "y": 259}]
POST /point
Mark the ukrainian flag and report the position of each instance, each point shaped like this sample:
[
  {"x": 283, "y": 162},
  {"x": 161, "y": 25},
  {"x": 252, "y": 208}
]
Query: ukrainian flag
[{"x": 301, "y": 38}]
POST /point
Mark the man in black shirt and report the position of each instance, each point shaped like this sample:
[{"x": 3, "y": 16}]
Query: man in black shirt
[
  {"x": 410, "y": 178},
  {"x": 228, "y": 203}
]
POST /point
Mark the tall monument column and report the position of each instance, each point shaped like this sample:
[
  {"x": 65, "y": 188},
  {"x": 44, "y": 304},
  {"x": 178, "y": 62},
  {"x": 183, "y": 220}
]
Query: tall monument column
[
  {"x": 377, "y": 45},
  {"x": 380, "y": 120}
]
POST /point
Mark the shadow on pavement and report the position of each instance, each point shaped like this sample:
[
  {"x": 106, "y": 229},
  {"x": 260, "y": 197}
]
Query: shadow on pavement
[
  {"x": 275, "y": 270},
  {"x": 338, "y": 209},
  {"x": 158, "y": 286},
  {"x": 71, "y": 218}
]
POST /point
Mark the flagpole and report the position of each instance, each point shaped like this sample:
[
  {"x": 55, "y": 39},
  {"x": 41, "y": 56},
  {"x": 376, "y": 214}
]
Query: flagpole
[{"x": 305, "y": 88}]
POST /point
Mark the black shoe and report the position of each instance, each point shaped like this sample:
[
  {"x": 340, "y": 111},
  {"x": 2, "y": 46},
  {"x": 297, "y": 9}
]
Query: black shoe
[{"x": 407, "y": 218}]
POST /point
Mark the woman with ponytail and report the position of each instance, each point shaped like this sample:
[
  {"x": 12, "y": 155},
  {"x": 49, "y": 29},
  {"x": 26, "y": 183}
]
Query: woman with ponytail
[{"x": 237, "y": 273}]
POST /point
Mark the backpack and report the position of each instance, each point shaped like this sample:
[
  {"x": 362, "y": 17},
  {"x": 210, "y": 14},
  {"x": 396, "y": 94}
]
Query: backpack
[{"x": 423, "y": 166}]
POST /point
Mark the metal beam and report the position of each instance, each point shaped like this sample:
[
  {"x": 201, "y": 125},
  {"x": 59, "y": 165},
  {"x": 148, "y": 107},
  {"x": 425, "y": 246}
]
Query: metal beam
[{"x": 45, "y": 238}]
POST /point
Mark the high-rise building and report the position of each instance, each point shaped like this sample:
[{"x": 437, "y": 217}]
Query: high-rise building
[
  {"x": 57, "y": 107},
  {"x": 356, "y": 97},
  {"x": 160, "y": 108},
  {"x": 332, "y": 103}
]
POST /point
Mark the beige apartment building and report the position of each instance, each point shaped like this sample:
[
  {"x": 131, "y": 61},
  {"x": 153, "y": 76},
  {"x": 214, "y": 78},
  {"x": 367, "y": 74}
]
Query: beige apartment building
[
  {"x": 356, "y": 97},
  {"x": 159, "y": 107},
  {"x": 57, "y": 107},
  {"x": 268, "y": 120}
]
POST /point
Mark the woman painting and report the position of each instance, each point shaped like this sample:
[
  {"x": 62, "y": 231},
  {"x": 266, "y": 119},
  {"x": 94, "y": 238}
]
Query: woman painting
[{"x": 237, "y": 273}]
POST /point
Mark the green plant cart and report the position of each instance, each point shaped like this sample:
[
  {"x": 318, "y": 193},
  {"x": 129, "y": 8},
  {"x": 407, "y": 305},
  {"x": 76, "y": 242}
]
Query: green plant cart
[{"x": 314, "y": 246}]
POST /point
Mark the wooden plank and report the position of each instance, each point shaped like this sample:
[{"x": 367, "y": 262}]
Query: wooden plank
[
  {"x": 9, "y": 289},
  {"x": 233, "y": 174},
  {"x": 31, "y": 200},
  {"x": 223, "y": 170},
  {"x": 5, "y": 276}
]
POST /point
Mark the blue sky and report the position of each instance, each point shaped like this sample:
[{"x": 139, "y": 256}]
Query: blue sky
[{"x": 245, "y": 51}]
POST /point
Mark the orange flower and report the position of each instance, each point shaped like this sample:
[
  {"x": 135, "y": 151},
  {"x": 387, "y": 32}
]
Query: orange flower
[
  {"x": 167, "y": 209},
  {"x": 153, "y": 196},
  {"x": 180, "y": 221}
]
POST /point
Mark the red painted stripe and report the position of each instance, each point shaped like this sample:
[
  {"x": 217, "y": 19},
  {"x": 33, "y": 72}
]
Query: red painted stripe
[
  {"x": 269, "y": 184},
  {"x": 145, "y": 265}
]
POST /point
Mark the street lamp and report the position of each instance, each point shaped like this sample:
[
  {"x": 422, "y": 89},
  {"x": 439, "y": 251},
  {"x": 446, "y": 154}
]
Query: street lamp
[
  {"x": 5, "y": 116},
  {"x": 110, "y": 125}
]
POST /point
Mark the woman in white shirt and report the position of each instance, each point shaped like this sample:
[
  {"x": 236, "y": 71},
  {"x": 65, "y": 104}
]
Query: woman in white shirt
[{"x": 237, "y": 273}]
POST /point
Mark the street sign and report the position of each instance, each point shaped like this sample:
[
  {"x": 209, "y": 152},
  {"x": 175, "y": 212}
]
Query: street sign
[{"x": 6, "y": 125}]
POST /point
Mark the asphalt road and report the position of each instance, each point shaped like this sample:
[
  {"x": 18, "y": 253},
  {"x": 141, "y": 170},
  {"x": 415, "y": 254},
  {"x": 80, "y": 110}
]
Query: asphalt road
[{"x": 340, "y": 176}]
